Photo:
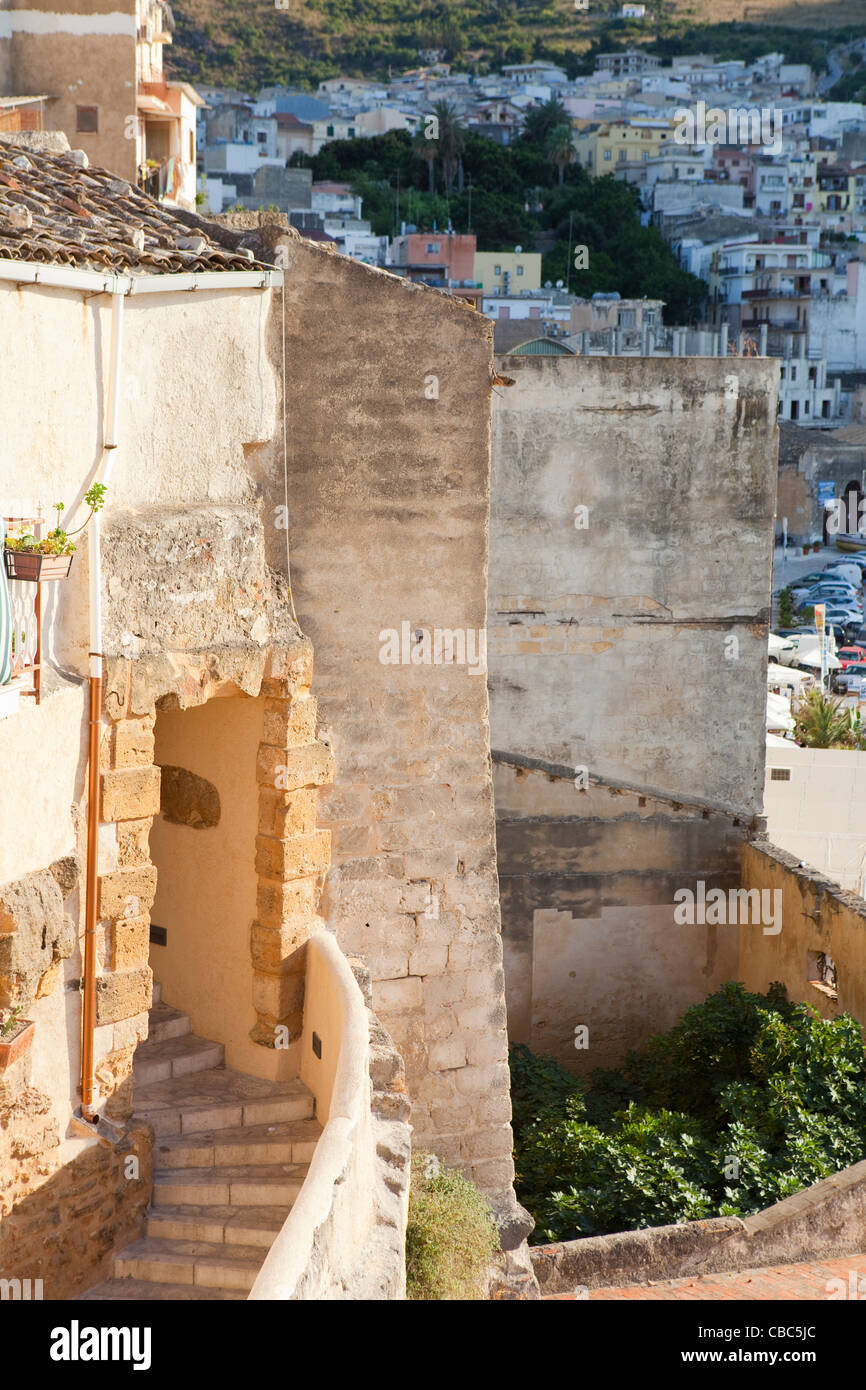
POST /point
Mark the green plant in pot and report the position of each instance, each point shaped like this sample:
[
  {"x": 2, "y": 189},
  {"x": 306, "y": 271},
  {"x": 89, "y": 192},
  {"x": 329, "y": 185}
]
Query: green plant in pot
[
  {"x": 49, "y": 557},
  {"x": 16, "y": 1035}
]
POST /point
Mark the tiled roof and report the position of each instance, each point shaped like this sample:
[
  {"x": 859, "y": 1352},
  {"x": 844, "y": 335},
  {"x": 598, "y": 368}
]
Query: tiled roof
[{"x": 57, "y": 210}]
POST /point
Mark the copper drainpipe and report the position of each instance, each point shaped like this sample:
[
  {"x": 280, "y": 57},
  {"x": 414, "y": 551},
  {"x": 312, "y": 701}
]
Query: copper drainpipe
[
  {"x": 88, "y": 984},
  {"x": 88, "y": 1008}
]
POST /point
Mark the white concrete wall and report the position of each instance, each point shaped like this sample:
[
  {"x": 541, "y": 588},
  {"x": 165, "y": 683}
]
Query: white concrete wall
[{"x": 819, "y": 815}]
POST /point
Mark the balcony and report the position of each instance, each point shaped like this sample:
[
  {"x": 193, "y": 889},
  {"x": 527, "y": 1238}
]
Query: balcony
[
  {"x": 776, "y": 294},
  {"x": 774, "y": 325}
]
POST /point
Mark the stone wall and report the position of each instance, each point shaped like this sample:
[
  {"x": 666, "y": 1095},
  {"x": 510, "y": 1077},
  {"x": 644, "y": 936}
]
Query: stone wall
[
  {"x": 388, "y": 505},
  {"x": 824, "y": 1220},
  {"x": 818, "y": 918},
  {"x": 630, "y": 545}
]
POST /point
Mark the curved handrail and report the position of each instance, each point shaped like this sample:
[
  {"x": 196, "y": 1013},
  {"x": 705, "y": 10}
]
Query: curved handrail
[{"x": 334, "y": 1009}]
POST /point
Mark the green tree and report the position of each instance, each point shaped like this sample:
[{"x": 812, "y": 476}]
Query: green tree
[
  {"x": 452, "y": 139},
  {"x": 748, "y": 1099},
  {"x": 559, "y": 149},
  {"x": 426, "y": 151},
  {"x": 822, "y": 722},
  {"x": 540, "y": 122}
]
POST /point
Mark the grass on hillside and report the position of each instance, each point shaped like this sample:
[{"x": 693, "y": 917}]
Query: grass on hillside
[{"x": 252, "y": 43}]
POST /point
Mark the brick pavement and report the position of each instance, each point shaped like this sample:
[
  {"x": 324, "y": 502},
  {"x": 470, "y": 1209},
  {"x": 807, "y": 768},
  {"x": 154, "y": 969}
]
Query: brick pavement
[{"x": 813, "y": 1280}]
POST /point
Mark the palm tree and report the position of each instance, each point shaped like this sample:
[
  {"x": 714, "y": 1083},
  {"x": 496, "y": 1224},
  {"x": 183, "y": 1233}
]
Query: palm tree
[
  {"x": 559, "y": 149},
  {"x": 425, "y": 149},
  {"x": 822, "y": 722},
  {"x": 540, "y": 121},
  {"x": 452, "y": 139}
]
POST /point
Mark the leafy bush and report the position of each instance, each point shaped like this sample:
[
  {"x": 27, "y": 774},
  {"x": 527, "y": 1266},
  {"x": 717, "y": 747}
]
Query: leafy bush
[
  {"x": 451, "y": 1236},
  {"x": 748, "y": 1099},
  {"x": 786, "y": 606}
]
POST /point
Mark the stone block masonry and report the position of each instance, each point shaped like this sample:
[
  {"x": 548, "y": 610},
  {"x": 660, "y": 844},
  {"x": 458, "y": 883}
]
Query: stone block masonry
[
  {"x": 389, "y": 500},
  {"x": 631, "y": 540}
]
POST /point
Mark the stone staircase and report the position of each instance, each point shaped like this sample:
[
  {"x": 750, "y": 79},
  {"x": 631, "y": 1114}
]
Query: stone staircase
[{"x": 230, "y": 1155}]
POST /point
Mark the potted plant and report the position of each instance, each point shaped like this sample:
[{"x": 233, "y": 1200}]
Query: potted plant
[
  {"x": 16, "y": 1035},
  {"x": 28, "y": 557}
]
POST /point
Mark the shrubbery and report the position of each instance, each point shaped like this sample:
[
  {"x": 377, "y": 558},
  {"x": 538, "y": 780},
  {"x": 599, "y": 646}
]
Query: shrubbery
[
  {"x": 451, "y": 1236},
  {"x": 747, "y": 1100}
]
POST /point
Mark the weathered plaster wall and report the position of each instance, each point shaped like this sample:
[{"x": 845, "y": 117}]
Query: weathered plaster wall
[
  {"x": 817, "y": 916},
  {"x": 191, "y": 611},
  {"x": 627, "y": 650},
  {"x": 187, "y": 359},
  {"x": 587, "y": 882},
  {"x": 388, "y": 491}
]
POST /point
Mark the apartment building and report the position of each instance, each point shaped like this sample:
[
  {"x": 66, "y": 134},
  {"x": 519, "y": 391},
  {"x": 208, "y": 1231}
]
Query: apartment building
[
  {"x": 498, "y": 272},
  {"x": 98, "y": 76},
  {"x": 602, "y": 145}
]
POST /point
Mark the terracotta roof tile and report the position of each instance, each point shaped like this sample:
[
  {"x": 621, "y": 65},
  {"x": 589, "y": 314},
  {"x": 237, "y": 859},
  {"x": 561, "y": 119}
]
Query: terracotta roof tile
[{"x": 55, "y": 210}]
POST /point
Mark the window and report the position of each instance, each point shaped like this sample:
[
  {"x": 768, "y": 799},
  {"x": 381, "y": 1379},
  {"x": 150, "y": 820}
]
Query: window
[
  {"x": 822, "y": 974},
  {"x": 87, "y": 119},
  {"x": 805, "y": 407},
  {"x": 607, "y": 154},
  {"x": 497, "y": 269},
  {"x": 433, "y": 248},
  {"x": 645, "y": 154},
  {"x": 262, "y": 136},
  {"x": 795, "y": 410},
  {"x": 793, "y": 372},
  {"x": 780, "y": 774},
  {"x": 520, "y": 270},
  {"x": 351, "y": 132},
  {"x": 621, "y": 155},
  {"x": 329, "y": 130},
  {"x": 825, "y": 410}
]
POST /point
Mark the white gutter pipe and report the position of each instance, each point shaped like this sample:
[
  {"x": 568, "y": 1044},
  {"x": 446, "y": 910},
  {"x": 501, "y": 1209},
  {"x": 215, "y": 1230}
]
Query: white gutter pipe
[{"x": 106, "y": 282}]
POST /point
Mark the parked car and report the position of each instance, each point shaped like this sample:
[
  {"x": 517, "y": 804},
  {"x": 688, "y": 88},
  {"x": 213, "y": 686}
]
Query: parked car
[
  {"x": 845, "y": 626},
  {"x": 840, "y": 586},
  {"x": 849, "y": 655},
  {"x": 846, "y": 574},
  {"x": 835, "y": 597},
  {"x": 807, "y": 580},
  {"x": 849, "y": 681}
]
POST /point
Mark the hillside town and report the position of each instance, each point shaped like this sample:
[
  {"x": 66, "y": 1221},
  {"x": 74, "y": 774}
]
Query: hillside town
[
  {"x": 433, "y": 855},
  {"x": 732, "y": 197}
]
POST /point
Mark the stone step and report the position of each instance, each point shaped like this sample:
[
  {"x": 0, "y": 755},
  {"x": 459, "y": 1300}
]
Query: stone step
[
  {"x": 136, "y": 1290},
  {"x": 274, "y": 1185},
  {"x": 221, "y": 1099},
  {"x": 174, "y": 1057},
  {"x": 291, "y": 1142},
  {"x": 165, "y": 1022},
  {"x": 218, "y": 1225},
  {"x": 200, "y": 1263}
]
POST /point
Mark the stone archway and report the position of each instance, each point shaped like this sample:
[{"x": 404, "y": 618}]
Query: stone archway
[{"x": 290, "y": 856}]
